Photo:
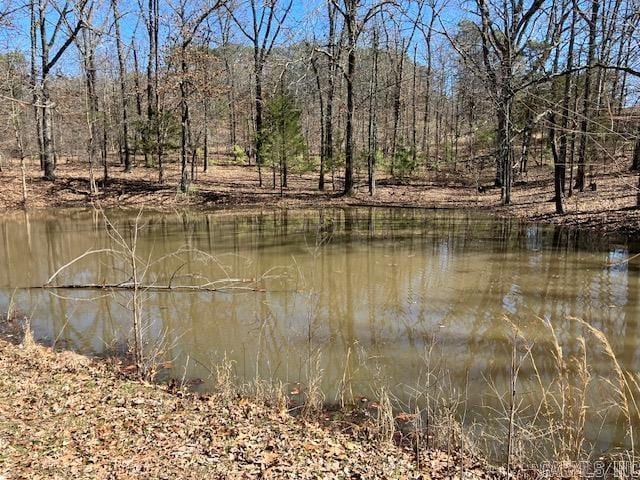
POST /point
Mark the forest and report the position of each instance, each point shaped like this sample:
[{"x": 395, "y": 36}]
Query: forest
[
  {"x": 319, "y": 239},
  {"x": 345, "y": 92}
]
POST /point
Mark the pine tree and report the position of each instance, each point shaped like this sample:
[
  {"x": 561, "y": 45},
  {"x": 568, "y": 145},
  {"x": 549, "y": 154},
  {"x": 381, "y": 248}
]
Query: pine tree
[{"x": 283, "y": 142}]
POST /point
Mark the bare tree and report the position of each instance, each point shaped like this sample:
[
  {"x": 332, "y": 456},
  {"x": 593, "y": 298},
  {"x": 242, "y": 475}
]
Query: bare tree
[
  {"x": 51, "y": 49},
  {"x": 122, "y": 73},
  {"x": 189, "y": 21},
  {"x": 586, "y": 97},
  {"x": 87, "y": 43},
  {"x": 504, "y": 31},
  {"x": 225, "y": 39},
  {"x": 354, "y": 23},
  {"x": 152, "y": 132},
  {"x": 397, "y": 59},
  {"x": 266, "y": 25},
  {"x": 427, "y": 33},
  {"x": 373, "y": 121},
  {"x": 561, "y": 166},
  {"x": 333, "y": 51}
]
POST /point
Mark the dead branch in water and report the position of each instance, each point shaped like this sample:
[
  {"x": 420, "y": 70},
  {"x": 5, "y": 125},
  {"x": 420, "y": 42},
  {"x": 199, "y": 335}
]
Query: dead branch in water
[{"x": 132, "y": 285}]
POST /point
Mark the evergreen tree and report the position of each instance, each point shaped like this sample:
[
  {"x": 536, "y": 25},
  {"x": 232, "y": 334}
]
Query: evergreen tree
[{"x": 283, "y": 143}]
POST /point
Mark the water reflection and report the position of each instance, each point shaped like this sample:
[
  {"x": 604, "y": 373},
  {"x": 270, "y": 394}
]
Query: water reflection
[{"x": 372, "y": 289}]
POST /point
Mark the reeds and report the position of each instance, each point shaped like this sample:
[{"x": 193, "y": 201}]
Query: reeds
[
  {"x": 314, "y": 398},
  {"x": 543, "y": 417}
]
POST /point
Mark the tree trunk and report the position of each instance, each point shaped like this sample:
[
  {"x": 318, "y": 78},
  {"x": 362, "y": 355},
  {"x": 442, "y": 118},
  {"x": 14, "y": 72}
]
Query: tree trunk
[
  {"x": 558, "y": 168},
  {"x": 258, "y": 68},
  {"x": 47, "y": 134},
  {"x": 35, "y": 85},
  {"x": 323, "y": 144},
  {"x": 184, "y": 117},
  {"x": 373, "y": 107},
  {"x": 153, "y": 102},
  {"x": 414, "y": 113},
  {"x": 638, "y": 194},
  {"x": 156, "y": 98},
  {"x": 104, "y": 147},
  {"x": 151, "y": 96},
  {"x": 92, "y": 105},
  {"x": 46, "y": 107},
  {"x": 136, "y": 80},
  {"x": 283, "y": 153},
  {"x": 328, "y": 130},
  {"x": 231, "y": 94},
  {"x": 397, "y": 92},
  {"x": 17, "y": 131},
  {"x": 566, "y": 98},
  {"x": 333, "y": 70},
  {"x": 505, "y": 163},
  {"x": 586, "y": 105},
  {"x": 427, "y": 88},
  {"x": 126, "y": 154},
  {"x": 526, "y": 143},
  {"x": 206, "y": 135},
  {"x": 500, "y": 142},
  {"x": 351, "y": 69},
  {"x": 636, "y": 154}
]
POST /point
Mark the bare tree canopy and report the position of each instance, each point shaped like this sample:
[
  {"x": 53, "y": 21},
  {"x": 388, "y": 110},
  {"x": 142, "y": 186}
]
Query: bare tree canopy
[{"x": 401, "y": 89}]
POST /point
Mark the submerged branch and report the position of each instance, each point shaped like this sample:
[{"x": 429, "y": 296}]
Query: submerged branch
[{"x": 131, "y": 286}]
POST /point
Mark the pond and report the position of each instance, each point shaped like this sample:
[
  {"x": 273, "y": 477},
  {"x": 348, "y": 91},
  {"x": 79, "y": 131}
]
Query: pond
[{"x": 363, "y": 298}]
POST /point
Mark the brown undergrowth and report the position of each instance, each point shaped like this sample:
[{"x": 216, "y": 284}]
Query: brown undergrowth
[
  {"x": 63, "y": 415},
  {"x": 610, "y": 208}
]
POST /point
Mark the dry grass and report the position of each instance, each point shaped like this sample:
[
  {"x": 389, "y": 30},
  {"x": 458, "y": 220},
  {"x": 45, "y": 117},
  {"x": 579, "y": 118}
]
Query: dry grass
[
  {"x": 68, "y": 416},
  {"x": 547, "y": 418},
  {"x": 65, "y": 416}
]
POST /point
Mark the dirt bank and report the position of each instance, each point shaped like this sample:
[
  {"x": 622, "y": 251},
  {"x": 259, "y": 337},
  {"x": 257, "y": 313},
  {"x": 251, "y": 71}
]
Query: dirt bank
[
  {"x": 611, "y": 208},
  {"x": 66, "y": 416}
]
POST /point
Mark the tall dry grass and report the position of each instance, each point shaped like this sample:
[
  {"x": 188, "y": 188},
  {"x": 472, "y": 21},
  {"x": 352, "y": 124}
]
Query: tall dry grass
[{"x": 542, "y": 417}]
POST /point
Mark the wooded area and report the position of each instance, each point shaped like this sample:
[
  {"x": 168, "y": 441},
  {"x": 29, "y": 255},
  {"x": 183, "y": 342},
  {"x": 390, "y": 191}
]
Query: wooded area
[
  {"x": 345, "y": 90},
  {"x": 523, "y": 108}
]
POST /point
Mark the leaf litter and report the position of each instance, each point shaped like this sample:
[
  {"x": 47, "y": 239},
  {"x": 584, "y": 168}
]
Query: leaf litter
[{"x": 66, "y": 416}]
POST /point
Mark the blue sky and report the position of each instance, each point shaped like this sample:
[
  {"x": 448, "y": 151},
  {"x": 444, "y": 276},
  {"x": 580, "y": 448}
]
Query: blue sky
[{"x": 306, "y": 19}]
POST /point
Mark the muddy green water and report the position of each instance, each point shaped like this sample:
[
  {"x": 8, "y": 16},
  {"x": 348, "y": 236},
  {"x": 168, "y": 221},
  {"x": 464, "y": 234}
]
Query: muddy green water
[{"x": 385, "y": 296}]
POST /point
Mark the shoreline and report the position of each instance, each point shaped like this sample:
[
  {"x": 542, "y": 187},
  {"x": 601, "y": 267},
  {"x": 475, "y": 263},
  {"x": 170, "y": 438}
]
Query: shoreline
[
  {"x": 609, "y": 210},
  {"x": 69, "y": 416},
  {"x": 66, "y": 415},
  {"x": 13, "y": 375}
]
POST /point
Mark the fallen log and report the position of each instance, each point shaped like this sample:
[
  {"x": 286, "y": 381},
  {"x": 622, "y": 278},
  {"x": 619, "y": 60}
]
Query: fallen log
[{"x": 131, "y": 286}]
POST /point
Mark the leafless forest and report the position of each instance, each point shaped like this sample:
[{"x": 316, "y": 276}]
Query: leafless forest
[
  {"x": 344, "y": 90},
  {"x": 407, "y": 343}
]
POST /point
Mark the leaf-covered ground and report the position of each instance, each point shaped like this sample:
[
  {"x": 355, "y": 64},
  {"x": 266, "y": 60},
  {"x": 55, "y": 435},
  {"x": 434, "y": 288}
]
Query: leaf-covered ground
[
  {"x": 610, "y": 208},
  {"x": 66, "y": 416}
]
